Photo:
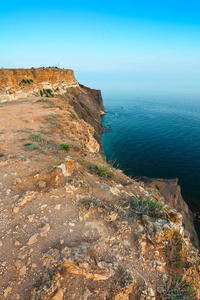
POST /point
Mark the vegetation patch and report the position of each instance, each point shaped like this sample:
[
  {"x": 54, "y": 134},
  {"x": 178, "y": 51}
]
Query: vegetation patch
[
  {"x": 46, "y": 92},
  {"x": 46, "y": 101},
  {"x": 178, "y": 290},
  {"x": 74, "y": 117},
  {"x": 31, "y": 146},
  {"x": 13, "y": 102},
  {"x": 101, "y": 171},
  {"x": 49, "y": 274},
  {"x": 146, "y": 207},
  {"x": 38, "y": 137},
  {"x": 25, "y": 81},
  {"x": 175, "y": 249},
  {"x": 65, "y": 147}
]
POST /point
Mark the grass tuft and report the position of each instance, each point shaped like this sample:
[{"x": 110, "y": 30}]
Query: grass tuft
[
  {"x": 146, "y": 207},
  {"x": 65, "y": 147},
  {"x": 31, "y": 146},
  {"x": 178, "y": 290},
  {"x": 102, "y": 171}
]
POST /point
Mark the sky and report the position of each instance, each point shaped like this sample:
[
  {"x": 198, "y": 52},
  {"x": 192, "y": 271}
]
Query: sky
[{"x": 146, "y": 44}]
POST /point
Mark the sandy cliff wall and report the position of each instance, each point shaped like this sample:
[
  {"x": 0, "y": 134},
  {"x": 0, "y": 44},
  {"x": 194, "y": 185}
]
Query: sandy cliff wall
[
  {"x": 16, "y": 83},
  {"x": 22, "y": 83}
]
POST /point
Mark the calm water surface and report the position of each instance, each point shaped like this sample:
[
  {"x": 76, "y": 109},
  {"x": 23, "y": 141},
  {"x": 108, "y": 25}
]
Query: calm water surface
[{"x": 156, "y": 136}]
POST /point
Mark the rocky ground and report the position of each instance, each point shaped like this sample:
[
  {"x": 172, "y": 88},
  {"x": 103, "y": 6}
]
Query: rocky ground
[{"x": 72, "y": 226}]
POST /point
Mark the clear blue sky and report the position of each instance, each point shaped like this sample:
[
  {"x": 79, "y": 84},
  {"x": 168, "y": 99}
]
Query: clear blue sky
[{"x": 109, "y": 44}]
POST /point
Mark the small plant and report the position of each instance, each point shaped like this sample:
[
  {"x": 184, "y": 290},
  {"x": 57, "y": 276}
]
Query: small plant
[
  {"x": 48, "y": 92},
  {"x": 31, "y": 146},
  {"x": 50, "y": 274},
  {"x": 146, "y": 207},
  {"x": 92, "y": 166},
  {"x": 41, "y": 93},
  {"x": 57, "y": 89},
  {"x": 38, "y": 137},
  {"x": 56, "y": 124},
  {"x": 65, "y": 147},
  {"x": 47, "y": 101},
  {"x": 176, "y": 247},
  {"x": 31, "y": 80},
  {"x": 25, "y": 101},
  {"x": 102, "y": 171},
  {"x": 74, "y": 116},
  {"x": 178, "y": 290},
  {"x": 28, "y": 81},
  {"x": 23, "y": 81},
  {"x": 61, "y": 265},
  {"x": 54, "y": 167},
  {"x": 157, "y": 187},
  {"x": 110, "y": 174}
]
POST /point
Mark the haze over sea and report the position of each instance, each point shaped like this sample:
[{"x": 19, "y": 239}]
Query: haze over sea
[{"x": 156, "y": 134}]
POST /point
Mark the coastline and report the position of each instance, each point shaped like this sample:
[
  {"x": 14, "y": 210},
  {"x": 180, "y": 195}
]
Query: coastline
[{"x": 72, "y": 222}]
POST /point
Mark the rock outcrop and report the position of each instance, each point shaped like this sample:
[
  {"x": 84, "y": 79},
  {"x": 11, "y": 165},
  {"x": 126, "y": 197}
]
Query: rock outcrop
[
  {"x": 72, "y": 226},
  {"x": 18, "y": 83},
  {"x": 171, "y": 192}
]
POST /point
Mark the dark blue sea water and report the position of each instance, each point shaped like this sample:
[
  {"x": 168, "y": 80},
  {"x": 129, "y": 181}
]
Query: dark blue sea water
[{"x": 156, "y": 135}]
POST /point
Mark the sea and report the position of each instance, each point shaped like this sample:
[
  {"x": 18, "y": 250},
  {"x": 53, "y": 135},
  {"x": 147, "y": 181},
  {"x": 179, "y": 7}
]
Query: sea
[{"x": 156, "y": 134}]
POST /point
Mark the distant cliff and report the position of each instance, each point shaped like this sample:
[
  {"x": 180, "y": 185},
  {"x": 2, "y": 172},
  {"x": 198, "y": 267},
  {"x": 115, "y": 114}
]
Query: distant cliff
[
  {"x": 16, "y": 83},
  {"x": 48, "y": 82}
]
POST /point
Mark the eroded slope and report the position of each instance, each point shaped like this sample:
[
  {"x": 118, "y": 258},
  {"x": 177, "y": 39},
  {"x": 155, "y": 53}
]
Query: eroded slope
[{"x": 72, "y": 227}]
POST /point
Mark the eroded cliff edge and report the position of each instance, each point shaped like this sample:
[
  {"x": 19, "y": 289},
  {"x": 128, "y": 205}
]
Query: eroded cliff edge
[{"x": 72, "y": 226}]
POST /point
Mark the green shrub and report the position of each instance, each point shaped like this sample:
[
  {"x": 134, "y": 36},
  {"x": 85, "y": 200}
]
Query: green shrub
[
  {"x": 48, "y": 92},
  {"x": 73, "y": 116},
  {"x": 110, "y": 175},
  {"x": 178, "y": 290},
  {"x": 157, "y": 187},
  {"x": 146, "y": 207},
  {"x": 102, "y": 171},
  {"x": 47, "y": 101},
  {"x": 38, "y": 137},
  {"x": 65, "y": 147},
  {"x": 41, "y": 93},
  {"x": 92, "y": 167},
  {"x": 31, "y": 146}
]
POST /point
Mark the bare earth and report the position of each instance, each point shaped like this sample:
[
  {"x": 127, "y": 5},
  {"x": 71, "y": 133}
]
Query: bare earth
[{"x": 66, "y": 231}]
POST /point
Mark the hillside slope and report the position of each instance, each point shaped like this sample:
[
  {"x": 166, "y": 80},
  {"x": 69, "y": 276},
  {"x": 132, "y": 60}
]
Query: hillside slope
[{"x": 73, "y": 227}]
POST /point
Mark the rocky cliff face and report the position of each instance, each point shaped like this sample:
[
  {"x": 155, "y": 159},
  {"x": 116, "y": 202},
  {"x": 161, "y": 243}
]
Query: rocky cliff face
[
  {"x": 48, "y": 82},
  {"x": 73, "y": 227},
  {"x": 17, "y": 83},
  {"x": 171, "y": 192}
]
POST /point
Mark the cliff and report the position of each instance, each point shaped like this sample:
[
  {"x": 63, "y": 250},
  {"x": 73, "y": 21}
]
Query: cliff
[
  {"x": 73, "y": 227},
  {"x": 17, "y": 83},
  {"x": 171, "y": 192},
  {"x": 48, "y": 82}
]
